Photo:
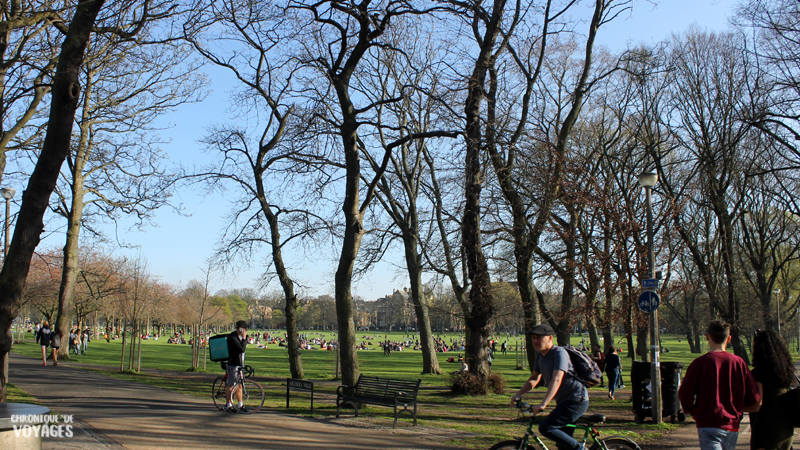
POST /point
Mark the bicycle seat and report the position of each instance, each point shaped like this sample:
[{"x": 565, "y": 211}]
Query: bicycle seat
[{"x": 593, "y": 418}]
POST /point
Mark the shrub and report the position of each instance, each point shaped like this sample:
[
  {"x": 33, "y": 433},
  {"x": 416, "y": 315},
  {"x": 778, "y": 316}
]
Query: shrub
[
  {"x": 473, "y": 384},
  {"x": 497, "y": 383}
]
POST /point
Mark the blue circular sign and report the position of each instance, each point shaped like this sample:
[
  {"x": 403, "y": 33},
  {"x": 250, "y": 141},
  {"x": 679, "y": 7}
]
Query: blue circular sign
[{"x": 649, "y": 301}]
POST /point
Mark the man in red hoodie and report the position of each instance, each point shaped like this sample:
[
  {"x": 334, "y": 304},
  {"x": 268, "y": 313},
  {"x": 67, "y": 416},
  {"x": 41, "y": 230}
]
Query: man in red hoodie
[{"x": 717, "y": 390}]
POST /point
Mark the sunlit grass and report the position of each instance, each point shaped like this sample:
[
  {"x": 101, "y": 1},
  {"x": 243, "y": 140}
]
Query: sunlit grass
[{"x": 477, "y": 421}]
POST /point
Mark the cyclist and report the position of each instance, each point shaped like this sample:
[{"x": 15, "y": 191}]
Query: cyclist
[
  {"x": 571, "y": 396},
  {"x": 237, "y": 342}
]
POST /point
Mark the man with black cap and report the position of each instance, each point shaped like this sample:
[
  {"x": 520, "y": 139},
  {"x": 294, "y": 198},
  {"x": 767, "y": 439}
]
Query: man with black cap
[
  {"x": 570, "y": 395},
  {"x": 237, "y": 342}
]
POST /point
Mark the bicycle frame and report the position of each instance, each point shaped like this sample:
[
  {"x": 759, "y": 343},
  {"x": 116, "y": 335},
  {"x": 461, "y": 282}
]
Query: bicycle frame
[
  {"x": 589, "y": 432},
  {"x": 239, "y": 384}
]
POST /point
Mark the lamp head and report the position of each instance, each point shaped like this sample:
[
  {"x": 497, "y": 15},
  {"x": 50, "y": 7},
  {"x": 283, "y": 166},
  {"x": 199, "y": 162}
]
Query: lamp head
[
  {"x": 648, "y": 179},
  {"x": 8, "y": 193}
]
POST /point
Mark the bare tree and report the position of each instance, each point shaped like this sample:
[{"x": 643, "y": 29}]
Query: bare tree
[
  {"x": 116, "y": 167},
  {"x": 411, "y": 76},
  {"x": 65, "y": 94},
  {"x": 344, "y": 35},
  {"x": 266, "y": 170},
  {"x": 775, "y": 29},
  {"x": 29, "y": 47},
  {"x": 198, "y": 300},
  {"x": 704, "y": 174}
]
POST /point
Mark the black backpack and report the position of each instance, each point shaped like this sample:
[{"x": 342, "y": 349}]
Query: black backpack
[{"x": 586, "y": 370}]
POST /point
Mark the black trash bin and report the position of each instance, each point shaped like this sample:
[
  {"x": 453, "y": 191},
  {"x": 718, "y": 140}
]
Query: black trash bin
[{"x": 670, "y": 381}]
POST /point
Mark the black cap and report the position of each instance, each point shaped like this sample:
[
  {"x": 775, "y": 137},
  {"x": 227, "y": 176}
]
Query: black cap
[
  {"x": 242, "y": 324},
  {"x": 542, "y": 330}
]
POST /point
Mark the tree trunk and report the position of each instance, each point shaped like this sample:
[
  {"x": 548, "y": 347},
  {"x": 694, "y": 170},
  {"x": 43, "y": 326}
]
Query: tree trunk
[
  {"x": 290, "y": 311},
  {"x": 122, "y": 358},
  {"x": 690, "y": 340},
  {"x": 480, "y": 295},
  {"x": 564, "y": 325},
  {"x": 70, "y": 268},
  {"x": 430, "y": 363},
  {"x": 132, "y": 342},
  {"x": 642, "y": 342},
  {"x": 629, "y": 330},
  {"x": 529, "y": 295}
]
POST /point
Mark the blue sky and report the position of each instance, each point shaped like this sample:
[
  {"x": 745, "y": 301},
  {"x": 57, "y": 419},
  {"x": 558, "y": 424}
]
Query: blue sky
[{"x": 177, "y": 247}]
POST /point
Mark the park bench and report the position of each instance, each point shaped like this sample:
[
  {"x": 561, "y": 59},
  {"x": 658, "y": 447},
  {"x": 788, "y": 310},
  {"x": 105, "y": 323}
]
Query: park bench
[{"x": 380, "y": 391}]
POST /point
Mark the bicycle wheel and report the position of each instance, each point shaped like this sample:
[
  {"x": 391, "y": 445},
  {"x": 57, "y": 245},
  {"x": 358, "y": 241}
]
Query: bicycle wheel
[
  {"x": 510, "y": 445},
  {"x": 218, "y": 393},
  {"x": 617, "y": 443},
  {"x": 252, "y": 396}
]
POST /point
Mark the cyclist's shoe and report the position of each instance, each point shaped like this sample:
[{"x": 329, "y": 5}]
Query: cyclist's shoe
[
  {"x": 230, "y": 409},
  {"x": 243, "y": 410}
]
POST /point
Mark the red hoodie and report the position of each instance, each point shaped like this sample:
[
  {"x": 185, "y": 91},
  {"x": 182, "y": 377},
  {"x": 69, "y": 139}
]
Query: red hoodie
[{"x": 716, "y": 389}]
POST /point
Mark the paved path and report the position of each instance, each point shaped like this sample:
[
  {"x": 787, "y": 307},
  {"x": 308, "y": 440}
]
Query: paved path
[{"x": 114, "y": 414}]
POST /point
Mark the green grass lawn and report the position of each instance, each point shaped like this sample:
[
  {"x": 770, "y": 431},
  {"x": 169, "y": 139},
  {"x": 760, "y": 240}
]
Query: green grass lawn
[{"x": 484, "y": 420}]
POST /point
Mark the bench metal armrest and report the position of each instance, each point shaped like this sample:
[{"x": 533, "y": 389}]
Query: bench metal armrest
[{"x": 344, "y": 386}]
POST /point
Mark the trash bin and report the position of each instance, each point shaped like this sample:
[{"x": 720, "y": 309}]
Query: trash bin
[{"x": 670, "y": 382}]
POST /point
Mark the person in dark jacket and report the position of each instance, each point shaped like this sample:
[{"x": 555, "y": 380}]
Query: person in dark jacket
[
  {"x": 237, "y": 342},
  {"x": 43, "y": 337},
  {"x": 774, "y": 372},
  {"x": 717, "y": 390},
  {"x": 613, "y": 367}
]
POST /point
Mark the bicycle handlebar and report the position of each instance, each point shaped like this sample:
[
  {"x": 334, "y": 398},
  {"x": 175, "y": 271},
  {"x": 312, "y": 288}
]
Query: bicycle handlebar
[
  {"x": 524, "y": 406},
  {"x": 248, "y": 371}
]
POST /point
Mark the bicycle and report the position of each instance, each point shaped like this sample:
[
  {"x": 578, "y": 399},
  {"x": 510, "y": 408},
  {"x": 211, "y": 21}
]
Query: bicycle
[
  {"x": 252, "y": 392},
  {"x": 609, "y": 443}
]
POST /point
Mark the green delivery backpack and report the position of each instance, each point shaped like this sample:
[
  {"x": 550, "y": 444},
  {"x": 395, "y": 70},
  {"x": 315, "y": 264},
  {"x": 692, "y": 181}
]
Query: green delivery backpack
[{"x": 218, "y": 346}]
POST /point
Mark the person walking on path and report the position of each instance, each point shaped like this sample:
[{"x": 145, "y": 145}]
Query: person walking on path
[
  {"x": 571, "y": 396},
  {"x": 717, "y": 390},
  {"x": 613, "y": 370},
  {"x": 43, "y": 337},
  {"x": 774, "y": 373}
]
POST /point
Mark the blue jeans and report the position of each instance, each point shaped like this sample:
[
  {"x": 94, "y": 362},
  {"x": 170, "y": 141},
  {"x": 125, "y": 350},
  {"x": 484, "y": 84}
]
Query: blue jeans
[
  {"x": 717, "y": 439},
  {"x": 613, "y": 377},
  {"x": 564, "y": 413}
]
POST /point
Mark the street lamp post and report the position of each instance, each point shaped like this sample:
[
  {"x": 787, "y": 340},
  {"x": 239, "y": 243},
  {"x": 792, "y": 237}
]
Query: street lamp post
[
  {"x": 8, "y": 194},
  {"x": 648, "y": 180}
]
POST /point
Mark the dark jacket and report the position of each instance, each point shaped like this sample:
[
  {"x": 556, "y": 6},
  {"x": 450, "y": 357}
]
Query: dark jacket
[
  {"x": 44, "y": 335},
  {"x": 236, "y": 348}
]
